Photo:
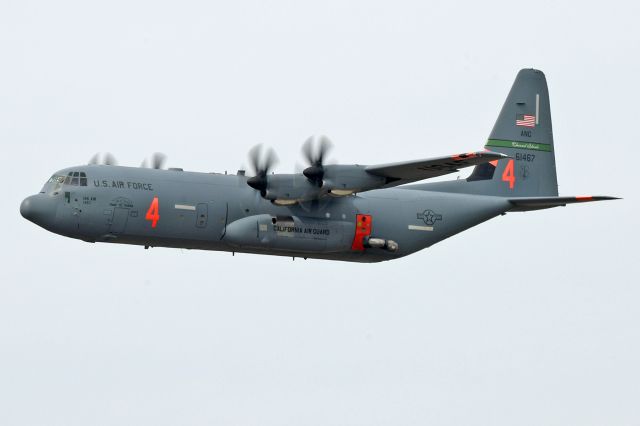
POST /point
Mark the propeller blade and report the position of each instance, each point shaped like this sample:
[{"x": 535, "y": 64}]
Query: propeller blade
[
  {"x": 315, "y": 150},
  {"x": 157, "y": 161},
  {"x": 270, "y": 160},
  {"x": 109, "y": 160},
  {"x": 262, "y": 162},
  {"x": 324, "y": 146},
  {"x": 307, "y": 150},
  {"x": 254, "y": 159},
  {"x": 106, "y": 159}
]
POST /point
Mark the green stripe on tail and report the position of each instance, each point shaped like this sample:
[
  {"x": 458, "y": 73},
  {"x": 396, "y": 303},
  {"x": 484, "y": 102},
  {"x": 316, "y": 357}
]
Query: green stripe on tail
[{"x": 499, "y": 143}]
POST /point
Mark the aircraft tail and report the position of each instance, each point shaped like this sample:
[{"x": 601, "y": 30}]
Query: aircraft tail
[{"x": 523, "y": 132}]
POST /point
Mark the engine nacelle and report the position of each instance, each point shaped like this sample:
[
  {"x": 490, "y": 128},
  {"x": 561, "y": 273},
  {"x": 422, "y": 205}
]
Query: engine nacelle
[
  {"x": 338, "y": 180},
  {"x": 345, "y": 179}
]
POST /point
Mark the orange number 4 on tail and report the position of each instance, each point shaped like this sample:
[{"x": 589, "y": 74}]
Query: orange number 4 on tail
[{"x": 508, "y": 175}]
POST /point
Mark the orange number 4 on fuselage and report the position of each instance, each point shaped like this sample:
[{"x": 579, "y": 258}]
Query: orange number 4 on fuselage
[{"x": 152, "y": 213}]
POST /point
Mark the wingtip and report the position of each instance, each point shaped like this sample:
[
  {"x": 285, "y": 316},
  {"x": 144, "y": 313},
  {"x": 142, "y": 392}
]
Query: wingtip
[
  {"x": 596, "y": 198},
  {"x": 499, "y": 155}
]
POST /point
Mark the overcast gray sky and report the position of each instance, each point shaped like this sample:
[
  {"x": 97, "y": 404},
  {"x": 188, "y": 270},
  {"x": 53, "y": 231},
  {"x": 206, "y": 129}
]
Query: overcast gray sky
[{"x": 529, "y": 319}]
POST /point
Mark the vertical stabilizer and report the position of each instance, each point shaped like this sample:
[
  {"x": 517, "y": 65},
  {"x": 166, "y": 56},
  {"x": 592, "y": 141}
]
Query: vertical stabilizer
[{"x": 523, "y": 131}]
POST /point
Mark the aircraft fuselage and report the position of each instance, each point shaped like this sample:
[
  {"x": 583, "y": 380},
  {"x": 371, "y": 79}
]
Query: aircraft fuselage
[{"x": 211, "y": 211}]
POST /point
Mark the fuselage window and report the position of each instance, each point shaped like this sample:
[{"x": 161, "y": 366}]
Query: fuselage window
[{"x": 83, "y": 179}]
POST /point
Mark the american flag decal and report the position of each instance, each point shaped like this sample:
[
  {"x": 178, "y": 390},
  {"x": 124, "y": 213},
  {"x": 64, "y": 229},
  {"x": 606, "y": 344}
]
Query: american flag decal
[{"x": 526, "y": 120}]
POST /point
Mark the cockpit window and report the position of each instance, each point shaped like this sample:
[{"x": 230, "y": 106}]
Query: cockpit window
[
  {"x": 53, "y": 185},
  {"x": 56, "y": 179},
  {"x": 55, "y": 182},
  {"x": 76, "y": 179}
]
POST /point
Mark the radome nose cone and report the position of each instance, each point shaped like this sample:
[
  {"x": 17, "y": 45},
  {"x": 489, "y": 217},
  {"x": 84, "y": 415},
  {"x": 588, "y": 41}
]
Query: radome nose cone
[
  {"x": 37, "y": 209},
  {"x": 26, "y": 208}
]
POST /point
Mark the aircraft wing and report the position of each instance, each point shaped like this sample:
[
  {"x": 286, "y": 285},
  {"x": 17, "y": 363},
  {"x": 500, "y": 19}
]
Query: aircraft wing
[{"x": 411, "y": 171}]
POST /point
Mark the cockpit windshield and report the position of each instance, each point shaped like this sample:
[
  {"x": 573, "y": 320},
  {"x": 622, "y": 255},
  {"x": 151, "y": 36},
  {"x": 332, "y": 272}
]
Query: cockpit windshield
[
  {"x": 55, "y": 182},
  {"x": 56, "y": 179},
  {"x": 76, "y": 179}
]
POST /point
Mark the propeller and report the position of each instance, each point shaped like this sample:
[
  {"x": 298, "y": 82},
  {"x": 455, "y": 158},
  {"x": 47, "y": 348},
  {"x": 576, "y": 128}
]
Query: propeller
[
  {"x": 157, "y": 161},
  {"x": 105, "y": 158},
  {"x": 262, "y": 162},
  {"x": 315, "y": 151}
]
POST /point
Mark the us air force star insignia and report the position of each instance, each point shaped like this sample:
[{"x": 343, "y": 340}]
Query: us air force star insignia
[{"x": 429, "y": 217}]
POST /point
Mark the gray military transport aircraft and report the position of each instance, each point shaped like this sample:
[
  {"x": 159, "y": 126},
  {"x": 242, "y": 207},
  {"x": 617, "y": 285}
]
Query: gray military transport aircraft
[{"x": 340, "y": 212}]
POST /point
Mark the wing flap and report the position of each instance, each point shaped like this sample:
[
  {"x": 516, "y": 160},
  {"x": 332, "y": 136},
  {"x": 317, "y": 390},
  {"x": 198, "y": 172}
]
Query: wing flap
[
  {"x": 411, "y": 171},
  {"x": 524, "y": 204}
]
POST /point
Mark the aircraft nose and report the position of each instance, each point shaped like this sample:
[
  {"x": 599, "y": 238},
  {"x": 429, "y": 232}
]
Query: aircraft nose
[
  {"x": 36, "y": 209},
  {"x": 26, "y": 208}
]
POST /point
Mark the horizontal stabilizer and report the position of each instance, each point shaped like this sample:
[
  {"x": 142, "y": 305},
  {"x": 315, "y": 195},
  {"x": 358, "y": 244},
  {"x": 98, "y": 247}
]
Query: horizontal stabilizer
[
  {"x": 524, "y": 204},
  {"x": 411, "y": 171}
]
